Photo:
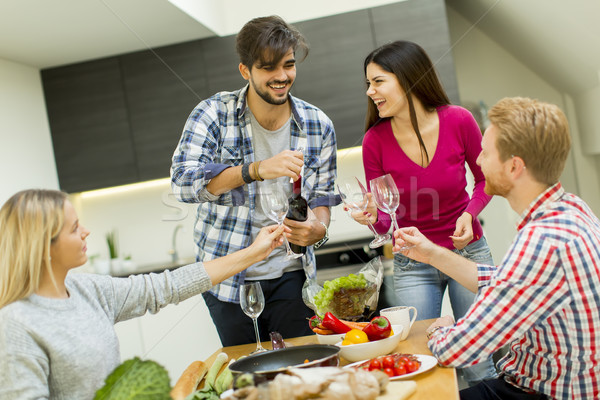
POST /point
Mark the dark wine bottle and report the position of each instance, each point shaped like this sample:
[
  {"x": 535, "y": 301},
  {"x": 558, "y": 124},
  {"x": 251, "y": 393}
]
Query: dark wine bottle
[{"x": 298, "y": 211}]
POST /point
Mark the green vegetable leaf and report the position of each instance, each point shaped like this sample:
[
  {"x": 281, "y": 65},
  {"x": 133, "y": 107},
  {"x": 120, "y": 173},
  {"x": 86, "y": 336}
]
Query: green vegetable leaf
[{"x": 136, "y": 379}]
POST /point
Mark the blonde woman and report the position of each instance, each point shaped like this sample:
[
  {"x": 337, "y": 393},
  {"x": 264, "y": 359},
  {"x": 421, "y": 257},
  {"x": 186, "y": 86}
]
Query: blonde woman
[{"x": 57, "y": 337}]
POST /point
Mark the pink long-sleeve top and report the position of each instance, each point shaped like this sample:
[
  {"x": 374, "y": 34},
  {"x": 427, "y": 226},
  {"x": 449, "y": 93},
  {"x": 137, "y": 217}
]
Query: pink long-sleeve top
[{"x": 433, "y": 197}]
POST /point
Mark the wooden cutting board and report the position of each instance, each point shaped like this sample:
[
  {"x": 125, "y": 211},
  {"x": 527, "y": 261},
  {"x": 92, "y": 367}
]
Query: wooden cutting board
[{"x": 398, "y": 390}]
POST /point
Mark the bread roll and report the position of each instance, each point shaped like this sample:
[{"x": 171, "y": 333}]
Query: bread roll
[{"x": 189, "y": 380}]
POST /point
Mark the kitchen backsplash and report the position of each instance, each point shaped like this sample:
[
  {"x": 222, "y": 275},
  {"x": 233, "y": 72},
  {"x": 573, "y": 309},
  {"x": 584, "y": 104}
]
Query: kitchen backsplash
[{"x": 145, "y": 217}]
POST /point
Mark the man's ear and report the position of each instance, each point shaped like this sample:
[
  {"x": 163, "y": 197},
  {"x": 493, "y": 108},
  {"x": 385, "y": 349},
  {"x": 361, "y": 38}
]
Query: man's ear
[
  {"x": 244, "y": 71},
  {"x": 517, "y": 166}
]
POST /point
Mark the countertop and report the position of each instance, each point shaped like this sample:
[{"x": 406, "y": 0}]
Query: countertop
[{"x": 155, "y": 267}]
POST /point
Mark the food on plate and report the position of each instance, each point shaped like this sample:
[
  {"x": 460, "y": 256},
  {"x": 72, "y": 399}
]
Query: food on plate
[
  {"x": 379, "y": 328},
  {"x": 189, "y": 380},
  {"x": 355, "y": 336},
  {"x": 396, "y": 364},
  {"x": 345, "y": 296},
  {"x": 317, "y": 383},
  {"x": 134, "y": 379}
]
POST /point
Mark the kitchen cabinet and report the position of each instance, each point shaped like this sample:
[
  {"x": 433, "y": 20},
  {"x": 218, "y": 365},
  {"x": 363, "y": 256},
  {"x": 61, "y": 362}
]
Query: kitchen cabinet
[
  {"x": 118, "y": 120},
  {"x": 162, "y": 87},
  {"x": 423, "y": 22},
  {"x": 332, "y": 75},
  {"x": 90, "y": 128}
]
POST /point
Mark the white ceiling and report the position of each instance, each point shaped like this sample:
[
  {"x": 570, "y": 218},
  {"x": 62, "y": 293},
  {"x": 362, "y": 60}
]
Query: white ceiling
[
  {"x": 47, "y": 33},
  {"x": 560, "y": 40}
]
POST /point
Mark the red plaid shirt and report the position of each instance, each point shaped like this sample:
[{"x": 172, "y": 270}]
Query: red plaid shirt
[{"x": 543, "y": 300}]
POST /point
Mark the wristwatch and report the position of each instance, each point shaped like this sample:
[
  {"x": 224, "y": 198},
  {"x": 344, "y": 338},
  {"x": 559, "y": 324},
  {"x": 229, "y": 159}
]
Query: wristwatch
[
  {"x": 430, "y": 333},
  {"x": 325, "y": 238}
]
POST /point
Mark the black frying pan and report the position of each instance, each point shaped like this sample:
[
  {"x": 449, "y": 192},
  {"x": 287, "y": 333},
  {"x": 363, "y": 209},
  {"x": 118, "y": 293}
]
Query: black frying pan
[{"x": 266, "y": 365}]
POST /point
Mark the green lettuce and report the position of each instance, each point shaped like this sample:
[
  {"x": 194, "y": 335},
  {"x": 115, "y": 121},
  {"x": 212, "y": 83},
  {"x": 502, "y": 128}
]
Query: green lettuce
[{"x": 136, "y": 379}]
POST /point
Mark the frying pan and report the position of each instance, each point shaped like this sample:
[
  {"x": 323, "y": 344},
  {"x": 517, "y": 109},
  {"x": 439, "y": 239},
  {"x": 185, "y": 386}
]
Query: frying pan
[{"x": 266, "y": 365}]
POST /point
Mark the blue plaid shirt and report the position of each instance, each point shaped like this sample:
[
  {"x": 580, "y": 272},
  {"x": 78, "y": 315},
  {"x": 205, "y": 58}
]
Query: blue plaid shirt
[{"x": 217, "y": 135}]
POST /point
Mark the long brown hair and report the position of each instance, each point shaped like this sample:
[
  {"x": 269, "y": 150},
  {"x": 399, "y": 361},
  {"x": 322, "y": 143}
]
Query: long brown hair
[
  {"x": 29, "y": 222},
  {"x": 417, "y": 76}
]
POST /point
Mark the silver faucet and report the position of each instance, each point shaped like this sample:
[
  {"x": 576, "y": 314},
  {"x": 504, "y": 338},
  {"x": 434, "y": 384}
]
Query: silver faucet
[{"x": 173, "y": 251}]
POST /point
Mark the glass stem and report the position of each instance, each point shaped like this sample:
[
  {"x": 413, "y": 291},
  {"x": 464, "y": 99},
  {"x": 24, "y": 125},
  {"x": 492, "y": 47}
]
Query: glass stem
[
  {"x": 258, "y": 345},
  {"x": 372, "y": 228}
]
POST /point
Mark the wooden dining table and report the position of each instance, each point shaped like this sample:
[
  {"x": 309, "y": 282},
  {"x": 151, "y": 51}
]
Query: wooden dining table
[{"x": 437, "y": 383}]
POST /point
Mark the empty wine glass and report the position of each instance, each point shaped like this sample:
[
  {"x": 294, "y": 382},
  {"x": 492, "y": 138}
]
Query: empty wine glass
[
  {"x": 387, "y": 198},
  {"x": 275, "y": 204},
  {"x": 252, "y": 302},
  {"x": 354, "y": 196}
]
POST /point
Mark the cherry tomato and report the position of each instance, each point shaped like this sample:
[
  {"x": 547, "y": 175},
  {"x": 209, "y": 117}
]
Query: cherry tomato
[
  {"x": 389, "y": 371},
  {"x": 403, "y": 359},
  {"x": 375, "y": 364},
  {"x": 388, "y": 362},
  {"x": 412, "y": 366},
  {"x": 400, "y": 370}
]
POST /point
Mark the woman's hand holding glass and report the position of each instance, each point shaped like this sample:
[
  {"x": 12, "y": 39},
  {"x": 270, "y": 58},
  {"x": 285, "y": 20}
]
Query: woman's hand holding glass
[
  {"x": 387, "y": 197},
  {"x": 361, "y": 208},
  {"x": 274, "y": 203},
  {"x": 267, "y": 239}
]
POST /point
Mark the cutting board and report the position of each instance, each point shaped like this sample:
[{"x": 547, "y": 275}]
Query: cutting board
[{"x": 398, "y": 390}]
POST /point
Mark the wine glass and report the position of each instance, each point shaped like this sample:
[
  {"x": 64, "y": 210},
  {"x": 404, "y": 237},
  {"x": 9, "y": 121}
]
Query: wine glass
[
  {"x": 275, "y": 204},
  {"x": 354, "y": 196},
  {"x": 252, "y": 302},
  {"x": 387, "y": 198}
]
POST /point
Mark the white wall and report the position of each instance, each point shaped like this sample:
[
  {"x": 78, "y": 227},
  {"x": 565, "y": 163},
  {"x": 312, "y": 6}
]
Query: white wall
[
  {"x": 26, "y": 154},
  {"x": 486, "y": 71}
]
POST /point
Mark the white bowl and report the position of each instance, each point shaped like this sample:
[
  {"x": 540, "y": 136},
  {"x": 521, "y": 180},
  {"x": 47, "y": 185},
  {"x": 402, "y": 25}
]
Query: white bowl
[
  {"x": 366, "y": 351},
  {"x": 330, "y": 339}
]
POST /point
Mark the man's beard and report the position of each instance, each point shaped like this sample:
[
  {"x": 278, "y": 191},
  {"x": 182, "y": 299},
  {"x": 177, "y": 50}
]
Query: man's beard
[
  {"x": 498, "y": 186},
  {"x": 266, "y": 96}
]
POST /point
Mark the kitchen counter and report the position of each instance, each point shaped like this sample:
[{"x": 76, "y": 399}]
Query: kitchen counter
[{"x": 155, "y": 267}]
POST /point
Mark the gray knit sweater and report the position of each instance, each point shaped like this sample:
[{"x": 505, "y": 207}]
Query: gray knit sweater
[{"x": 65, "y": 348}]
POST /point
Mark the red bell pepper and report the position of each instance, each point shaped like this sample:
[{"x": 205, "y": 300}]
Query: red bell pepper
[
  {"x": 314, "y": 322},
  {"x": 379, "y": 328},
  {"x": 330, "y": 321}
]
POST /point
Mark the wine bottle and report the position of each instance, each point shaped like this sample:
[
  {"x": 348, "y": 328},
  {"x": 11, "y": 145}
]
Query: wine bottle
[{"x": 298, "y": 211}]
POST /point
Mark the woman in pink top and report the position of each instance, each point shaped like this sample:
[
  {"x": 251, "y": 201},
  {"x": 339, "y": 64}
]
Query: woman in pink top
[{"x": 423, "y": 142}]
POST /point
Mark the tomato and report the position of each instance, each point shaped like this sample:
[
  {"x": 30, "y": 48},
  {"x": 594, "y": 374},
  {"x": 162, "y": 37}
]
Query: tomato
[
  {"x": 389, "y": 371},
  {"x": 403, "y": 359},
  {"x": 356, "y": 336},
  {"x": 412, "y": 366},
  {"x": 375, "y": 364},
  {"x": 388, "y": 362},
  {"x": 400, "y": 370}
]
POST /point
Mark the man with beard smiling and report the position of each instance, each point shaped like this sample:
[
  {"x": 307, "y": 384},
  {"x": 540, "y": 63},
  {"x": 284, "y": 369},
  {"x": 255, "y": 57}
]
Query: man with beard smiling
[
  {"x": 544, "y": 298},
  {"x": 258, "y": 133}
]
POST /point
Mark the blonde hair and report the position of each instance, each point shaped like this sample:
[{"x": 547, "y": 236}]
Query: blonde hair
[
  {"x": 537, "y": 132},
  {"x": 29, "y": 221}
]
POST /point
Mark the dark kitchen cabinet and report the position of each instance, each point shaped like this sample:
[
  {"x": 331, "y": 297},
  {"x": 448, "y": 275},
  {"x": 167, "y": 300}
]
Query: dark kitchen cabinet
[
  {"x": 90, "y": 127},
  {"x": 118, "y": 120},
  {"x": 162, "y": 87},
  {"x": 221, "y": 60},
  {"x": 423, "y": 22},
  {"x": 332, "y": 76}
]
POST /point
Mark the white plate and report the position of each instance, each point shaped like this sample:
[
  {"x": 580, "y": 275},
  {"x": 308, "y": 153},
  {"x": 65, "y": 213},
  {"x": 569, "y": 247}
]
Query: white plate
[{"x": 427, "y": 362}]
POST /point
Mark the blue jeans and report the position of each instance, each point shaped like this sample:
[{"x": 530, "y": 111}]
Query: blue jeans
[{"x": 422, "y": 286}]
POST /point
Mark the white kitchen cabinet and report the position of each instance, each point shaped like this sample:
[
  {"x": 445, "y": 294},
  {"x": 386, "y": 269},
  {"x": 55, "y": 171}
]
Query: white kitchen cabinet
[{"x": 173, "y": 337}]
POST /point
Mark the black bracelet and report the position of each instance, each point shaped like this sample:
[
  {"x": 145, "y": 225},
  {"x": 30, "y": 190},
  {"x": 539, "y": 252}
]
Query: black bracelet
[{"x": 246, "y": 173}]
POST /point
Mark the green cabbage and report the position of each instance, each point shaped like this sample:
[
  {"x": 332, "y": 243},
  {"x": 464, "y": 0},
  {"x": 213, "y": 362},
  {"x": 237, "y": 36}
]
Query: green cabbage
[{"x": 136, "y": 379}]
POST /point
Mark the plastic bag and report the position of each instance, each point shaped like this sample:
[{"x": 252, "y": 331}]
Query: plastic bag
[{"x": 349, "y": 297}]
